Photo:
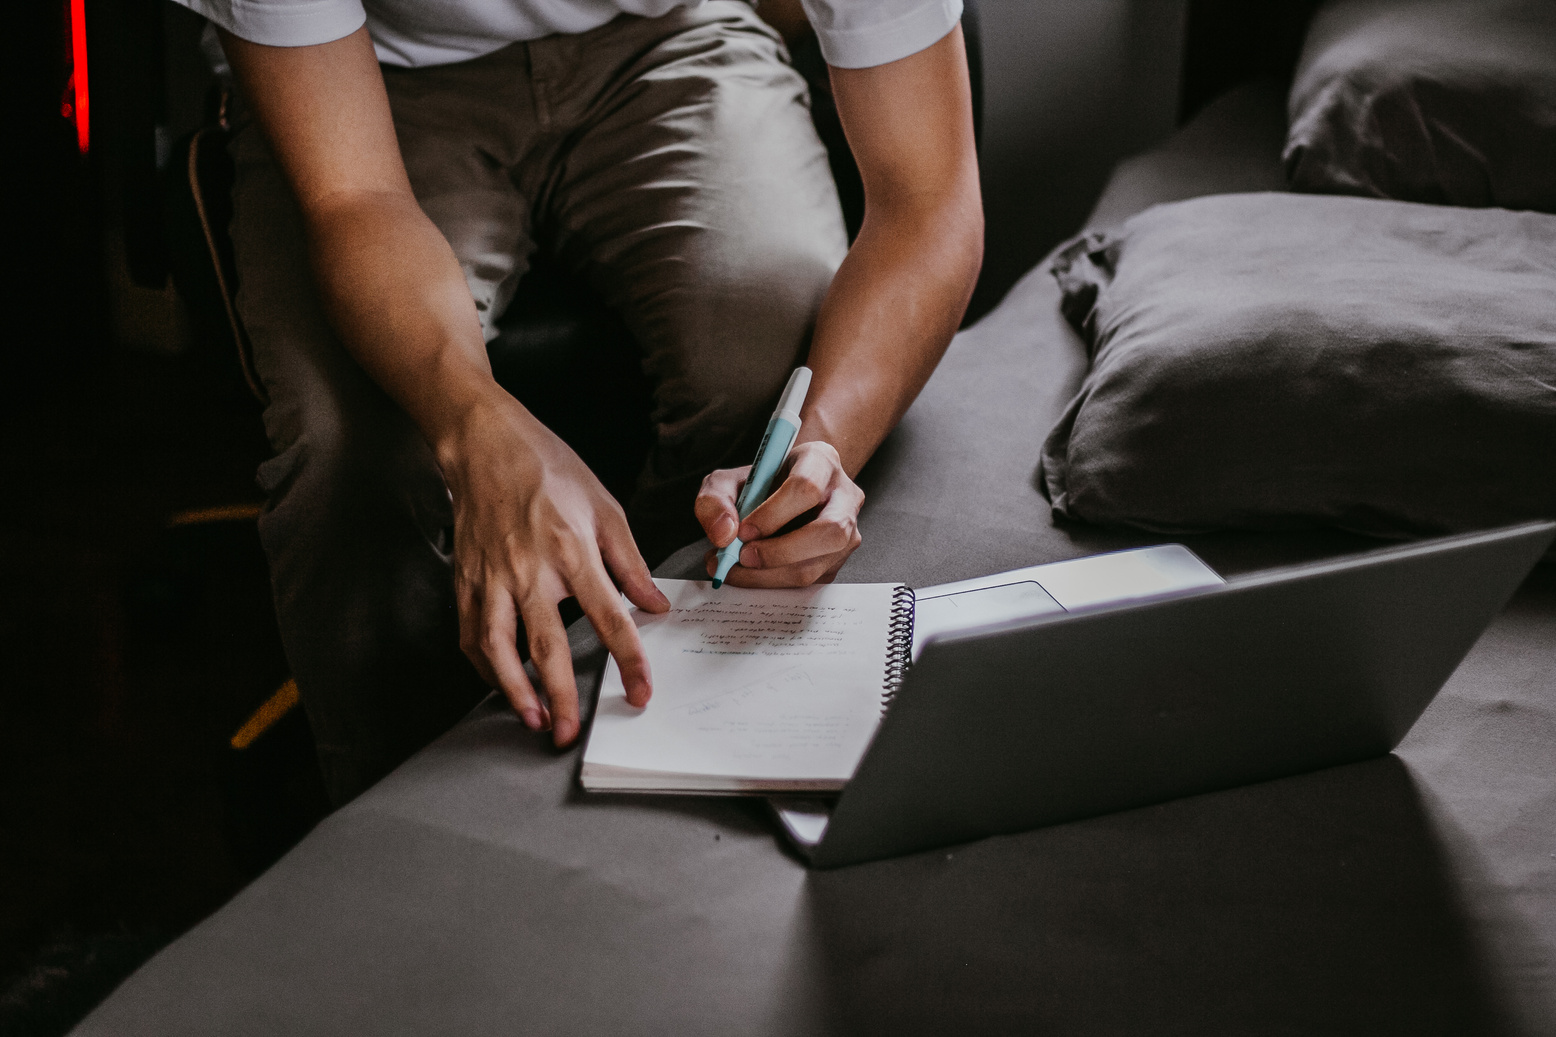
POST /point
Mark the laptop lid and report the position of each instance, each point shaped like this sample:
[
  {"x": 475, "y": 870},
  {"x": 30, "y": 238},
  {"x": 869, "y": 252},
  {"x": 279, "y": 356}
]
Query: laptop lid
[{"x": 1066, "y": 716}]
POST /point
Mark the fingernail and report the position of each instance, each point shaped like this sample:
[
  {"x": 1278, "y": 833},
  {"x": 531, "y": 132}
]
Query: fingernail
[
  {"x": 750, "y": 533},
  {"x": 531, "y": 719},
  {"x": 723, "y": 530},
  {"x": 750, "y": 559}
]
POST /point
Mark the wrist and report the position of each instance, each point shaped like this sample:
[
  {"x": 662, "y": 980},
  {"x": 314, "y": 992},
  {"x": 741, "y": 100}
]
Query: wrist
[
  {"x": 467, "y": 413},
  {"x": 818, "y": 426}
]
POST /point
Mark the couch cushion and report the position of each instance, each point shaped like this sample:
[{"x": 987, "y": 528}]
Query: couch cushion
[
  {"x": 1232, "y": 146},
  {"x": 1445, "y": 101},
  {"x": 1275, "y": 360}
]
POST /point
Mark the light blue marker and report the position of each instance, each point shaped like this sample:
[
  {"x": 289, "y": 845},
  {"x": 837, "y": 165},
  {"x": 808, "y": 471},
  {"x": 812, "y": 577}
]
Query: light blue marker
[{"x": 770, "y": 456}]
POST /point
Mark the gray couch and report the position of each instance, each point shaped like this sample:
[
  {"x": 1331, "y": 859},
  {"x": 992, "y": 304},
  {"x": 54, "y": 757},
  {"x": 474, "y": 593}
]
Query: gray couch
[{"x": 477, "y": 890}]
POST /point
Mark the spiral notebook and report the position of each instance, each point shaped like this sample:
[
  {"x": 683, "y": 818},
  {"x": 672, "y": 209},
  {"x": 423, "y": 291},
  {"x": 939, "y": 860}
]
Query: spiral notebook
[{"x": 754, "y": 690}]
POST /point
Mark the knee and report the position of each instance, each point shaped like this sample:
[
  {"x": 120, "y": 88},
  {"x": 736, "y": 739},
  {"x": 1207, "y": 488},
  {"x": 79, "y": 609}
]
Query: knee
[
  {"x": 745, "y": 331},
  {"x": 341, "y": 465}
]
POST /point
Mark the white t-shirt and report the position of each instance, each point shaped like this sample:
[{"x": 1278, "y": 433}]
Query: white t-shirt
[{"x": 413, "y": 33}]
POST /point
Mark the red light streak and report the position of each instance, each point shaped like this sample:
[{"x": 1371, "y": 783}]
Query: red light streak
[{"x": 81, "y": 109}]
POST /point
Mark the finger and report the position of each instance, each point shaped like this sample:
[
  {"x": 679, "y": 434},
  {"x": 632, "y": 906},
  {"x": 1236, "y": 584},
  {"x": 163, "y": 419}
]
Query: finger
[
  {"x": 497, "y": 644},
  {"x": 621, "y": 554},
  {"x": 835, "y": 528},
  {"x": 470, "y": 618},
  {"x": 715, "y": 507},
  {"x": 803, "y": 488},
  {"x": 821, "y": 538},
  {"x": 831, "y": 573},
  {"x": 553, "y": 659},
  {"x": 603, "y": 605},
  {"x": 815, "y": 570}
]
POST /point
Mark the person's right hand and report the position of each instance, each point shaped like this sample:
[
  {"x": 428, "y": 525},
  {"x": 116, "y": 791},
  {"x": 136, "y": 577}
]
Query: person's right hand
[{"x": 532, "y": 526}]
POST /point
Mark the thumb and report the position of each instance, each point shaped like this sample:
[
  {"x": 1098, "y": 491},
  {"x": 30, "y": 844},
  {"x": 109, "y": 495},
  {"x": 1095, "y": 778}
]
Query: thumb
[{"x": 715, "y": 508}]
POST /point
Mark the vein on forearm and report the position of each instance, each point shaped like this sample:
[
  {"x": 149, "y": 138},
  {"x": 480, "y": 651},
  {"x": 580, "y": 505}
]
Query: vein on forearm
[
  {"x": 888, "y": 318},
  {"x": 902, "y": 290},
  {"x": 395, "y": 294}
]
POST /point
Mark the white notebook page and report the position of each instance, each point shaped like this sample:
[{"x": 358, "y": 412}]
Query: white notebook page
[{"x": 750, "y": 684}]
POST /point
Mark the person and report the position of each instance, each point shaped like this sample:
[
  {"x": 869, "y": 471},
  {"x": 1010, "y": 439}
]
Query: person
[{"x": 397, "y": 165}]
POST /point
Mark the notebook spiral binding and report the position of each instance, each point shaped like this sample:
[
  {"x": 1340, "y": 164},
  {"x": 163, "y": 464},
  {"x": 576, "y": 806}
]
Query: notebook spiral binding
[{"x": 899, "y": 644}]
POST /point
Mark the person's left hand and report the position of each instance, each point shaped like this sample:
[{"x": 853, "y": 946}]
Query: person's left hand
[{"x": 814, "y": 483}]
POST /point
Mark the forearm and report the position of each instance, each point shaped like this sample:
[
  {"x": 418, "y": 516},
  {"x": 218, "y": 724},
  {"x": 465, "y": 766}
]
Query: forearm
[
  {"x": 887, "y": 319},
  {"x": 902, "y": 290},
  {"x": 532, "y": 525},
  {"x": 390, "y": 283},
  {"x": 397, "y": 297},
  {"x": 890, "y": 314}
]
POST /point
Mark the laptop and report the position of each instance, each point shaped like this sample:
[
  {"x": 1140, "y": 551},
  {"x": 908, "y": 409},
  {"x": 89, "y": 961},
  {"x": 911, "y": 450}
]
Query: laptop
[{"x": 1033, "y": 720}]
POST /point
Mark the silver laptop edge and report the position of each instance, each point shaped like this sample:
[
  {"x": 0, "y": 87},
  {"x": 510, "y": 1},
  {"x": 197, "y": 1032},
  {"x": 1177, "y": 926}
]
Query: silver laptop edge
[{"x": 1269, "y": 674}]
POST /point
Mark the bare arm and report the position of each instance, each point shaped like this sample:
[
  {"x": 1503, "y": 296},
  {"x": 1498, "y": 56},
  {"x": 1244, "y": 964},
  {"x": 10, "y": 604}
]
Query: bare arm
[
  {"x": 888, "y": 317},
  {"x": 532, "y": 524},
  {"x": 389, "y": 280},
  {"x": 901, "y": 293}
]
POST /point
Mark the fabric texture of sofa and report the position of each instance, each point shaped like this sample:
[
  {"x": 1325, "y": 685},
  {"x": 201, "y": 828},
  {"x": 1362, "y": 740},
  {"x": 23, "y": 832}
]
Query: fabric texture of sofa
[{"x": 477, "y": 890}]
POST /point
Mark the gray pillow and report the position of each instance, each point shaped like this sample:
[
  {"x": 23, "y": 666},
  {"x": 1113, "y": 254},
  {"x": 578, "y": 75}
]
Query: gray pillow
[
  {"x": 1278, "y": 360},
  {"x": 1444, "y": 101}
]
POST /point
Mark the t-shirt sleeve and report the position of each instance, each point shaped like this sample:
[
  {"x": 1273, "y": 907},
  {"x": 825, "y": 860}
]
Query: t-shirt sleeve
[
  {"x": 283, "y": 23},
  {"x": 866, "y": 33}
]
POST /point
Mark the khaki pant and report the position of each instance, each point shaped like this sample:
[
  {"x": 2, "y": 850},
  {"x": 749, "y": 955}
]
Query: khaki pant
[{"x": 672, "y": 162}]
